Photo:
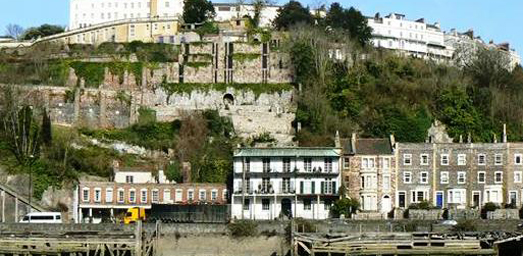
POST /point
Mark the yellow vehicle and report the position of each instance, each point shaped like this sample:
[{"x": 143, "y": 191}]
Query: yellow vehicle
[{"x": 134, "y": 214}]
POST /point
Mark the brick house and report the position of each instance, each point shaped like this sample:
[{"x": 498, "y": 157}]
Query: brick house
[{"x": 368, "y": 172}]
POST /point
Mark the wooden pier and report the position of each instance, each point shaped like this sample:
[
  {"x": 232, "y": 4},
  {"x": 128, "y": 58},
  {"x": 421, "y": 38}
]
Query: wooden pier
[
  {"x": 76, "y": 240},
  {"x": 382, "y": 244}
]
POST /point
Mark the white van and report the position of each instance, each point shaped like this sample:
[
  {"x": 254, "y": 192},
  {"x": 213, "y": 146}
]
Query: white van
[{"x": 42, "y": 217}]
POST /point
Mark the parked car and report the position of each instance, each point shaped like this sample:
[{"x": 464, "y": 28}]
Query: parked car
[
  {"x": 449, "y": 223},
  {"x": 42, "y": 217}
]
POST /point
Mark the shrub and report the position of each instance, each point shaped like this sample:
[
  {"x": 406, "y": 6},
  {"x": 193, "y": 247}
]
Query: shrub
[
  {"x": 425, "y": 205},
  {"x": 464, "y": 226},
  {"x": 243, "y": 228},
  {"x": 345, "y": 206},
  {"x": 488, "y": 207}
]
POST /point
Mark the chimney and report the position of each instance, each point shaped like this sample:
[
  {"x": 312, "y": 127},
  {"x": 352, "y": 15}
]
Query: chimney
[
  {"x": 461, "y": 138},
  {"x": 337, "y": 142},
  {"x": 353, "y": 142},
  {"x": 186, "y": 172},
  {"x": 504, "y": 133},
  {"x": 392, "y": 141},
  {"x": 469, "y": 138}
]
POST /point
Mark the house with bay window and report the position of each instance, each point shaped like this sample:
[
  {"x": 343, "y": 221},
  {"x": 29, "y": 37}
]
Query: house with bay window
[{"x": 274, "y": 182}]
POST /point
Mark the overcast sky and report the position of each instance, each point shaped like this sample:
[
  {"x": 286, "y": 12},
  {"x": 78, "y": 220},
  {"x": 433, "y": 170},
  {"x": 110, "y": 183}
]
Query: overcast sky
[{"x": 500, "y": 20}]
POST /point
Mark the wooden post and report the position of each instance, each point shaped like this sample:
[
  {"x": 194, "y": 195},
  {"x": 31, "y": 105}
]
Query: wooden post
[
  {"x": 16, "y": 209},
  {"x": 138, "y": 237},
  {"x": 3, "y": 206}
]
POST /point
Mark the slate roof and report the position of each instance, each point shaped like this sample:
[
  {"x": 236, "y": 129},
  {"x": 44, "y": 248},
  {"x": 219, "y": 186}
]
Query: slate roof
[
  {"x": 366, "y": 146},
  {"x": 290, "y": 152}
]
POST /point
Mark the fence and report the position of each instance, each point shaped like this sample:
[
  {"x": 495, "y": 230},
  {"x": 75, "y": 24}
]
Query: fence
[{"x": 190, "y": 213}]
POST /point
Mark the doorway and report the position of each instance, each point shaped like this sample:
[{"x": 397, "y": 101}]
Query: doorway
[
  {"x": 386, "y": 206},
  {"x": 286, "y": 207}
]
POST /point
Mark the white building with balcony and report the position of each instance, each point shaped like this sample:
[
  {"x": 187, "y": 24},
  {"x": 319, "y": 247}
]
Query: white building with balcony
[
  {"x": 415, "y": 38},
  {"x": 273, "y": 182}
]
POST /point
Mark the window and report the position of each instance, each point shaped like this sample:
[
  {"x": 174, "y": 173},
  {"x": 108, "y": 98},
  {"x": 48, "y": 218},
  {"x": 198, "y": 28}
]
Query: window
[
  {"x": 482, "y": 159},
  {"x": 190, "y": 195},
  {"x": 327, "y": 164},
  {"x": 418, "y": 196},
  {"x": 481, "y": 177},
  {"x": 167, "y": 196},
  {"x": 307, "y": 204},
  {"x": 155, "y": 196},
  {"x": 266, "y": 164},
  {"x": 367, "y": 162},
  {"x": 224, "y": 195},
  {"x": 462, "y": 159},
  {"x": 498, "y": 159},
  {"x": 462, "y": 177},
  {"x": 286, "y": 165},
  {"x": 131, "y": 33},
  {"x": 424, "y": 159},
  {"x": 517, "y": 159},
  {"x": 266, "y": 185},
  {"x": 444, "y": 159},
  {"x": 266, "y": 204},
  {"x": 424, "y": 178},
  {"x": 407, "y": 177},
  {"x": 307, "y": 164},
  {"x": 286, "y": 185},
  {"x": 328, "y": 187},
  {"x": 457, "y": 196},
  {"x": 407, "y": 159},
  {"x": 517, "y": 177},
  {"x": 97, "y": 195},
  {"x": 85, "y": 195},
  {"x": 203, "y": 195},
  {"x": 369, "y": 181},
  {"x": 498, "y": 177},
  {"x": 129, "y": 179},
  {"x": 214, "y": 195},
  {"x": 444, "y": 178},
  {"x": 346, "y": 163},
  {"x": 109, "y": 195},
  {"x": 143, "y": 197},
  {"x": 167, "y": 4},
  {"x": 246, "y": 204},
  {"x": 178, "y": 196},
  {"x": 386, "y": 163},
  {"x": 386, "y": 182},
  {"x": 121, "y": 196},
  {"x": 132, "y": 196}
]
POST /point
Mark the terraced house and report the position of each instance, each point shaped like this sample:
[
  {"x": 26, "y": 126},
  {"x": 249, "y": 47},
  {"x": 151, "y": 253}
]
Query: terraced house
[
  {"x": 459, "y": 175},
  {"x": 274, "y": 182},
  {"x": 369, "y": 173}
]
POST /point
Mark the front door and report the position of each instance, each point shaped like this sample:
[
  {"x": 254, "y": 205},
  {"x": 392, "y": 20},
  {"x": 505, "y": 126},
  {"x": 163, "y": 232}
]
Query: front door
[
  {"x": 475, "y": 199},
  {"x": 439, "y": 199},
  {"x": 286, "y": 207},
  {"x": 386, "y": 206}
]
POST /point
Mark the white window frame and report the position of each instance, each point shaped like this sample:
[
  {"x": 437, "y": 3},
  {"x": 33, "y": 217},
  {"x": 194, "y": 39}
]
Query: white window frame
[
  {"x": 443, "y": 157},
  {"x": 484, "y": 159},
  {"x": 167, "y": 196},
  {"x": 120, "y": 199},
  {"x": 407, "y": 157},
  {"x": 202, "y": 195},
  {"x": 516, "y": 156},
  {"x": 426, "y": 178},
  {"x": 496, "y": 156},
  {"x": 463, "y": 197},
  {"x": 178, "y": 195},
  {"x": 517, "y": 196},
  {"x": 462, "y": 159},
  {"x": 386, "y": 177},
  {"x": 97, "y": 198},
  {"x": 414, "y": 200},
  {"x": 346, "y": 163},
  {"x": 153, "y": 199},
  {"x": 214, "y": 195},
  {"x": 520, "y": 177},
  {"x": 421, "y": 159},
  {"x": 268, "y": 208},
  {"x": 464, "y": 174},
  {"x": 191, "y": 193},
  {"x": 484, "y": 177},
  {"x": 142, "y": 196},
  {"x": 386, "y": 162},
  {"x": 496, "y": 175},
  {"x": 109, "y": 199},
  {"x": 404, "y": 177},
  {"x": 84, "y": 199},
  {"x": 132, "y": 200},
  {"x": 441, "y": 181}
]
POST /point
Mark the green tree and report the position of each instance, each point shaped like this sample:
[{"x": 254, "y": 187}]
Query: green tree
[
  {"x": 173, "y": 172},
  {"x": 47, "y": 137},
  {"x": 345, "y": 206},
  {"x": 292, "y": 13},
  {"x": 350, "y": 20},
  {"x": 198, "y": 11},
  {"x": 42, "y": 31}
]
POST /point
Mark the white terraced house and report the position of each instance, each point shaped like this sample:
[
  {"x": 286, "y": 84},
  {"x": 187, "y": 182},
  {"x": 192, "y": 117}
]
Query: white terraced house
[
  {"x": 273, "y": 182},
  {"x": 415, "y": 38}
]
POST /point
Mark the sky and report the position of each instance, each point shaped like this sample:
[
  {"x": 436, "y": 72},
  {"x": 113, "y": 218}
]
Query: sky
[{"x": 500, "y": 20}]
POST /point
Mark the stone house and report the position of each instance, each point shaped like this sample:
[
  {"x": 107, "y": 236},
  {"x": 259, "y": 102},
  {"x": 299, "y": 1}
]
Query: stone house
[{"x": 368, "y": 172}]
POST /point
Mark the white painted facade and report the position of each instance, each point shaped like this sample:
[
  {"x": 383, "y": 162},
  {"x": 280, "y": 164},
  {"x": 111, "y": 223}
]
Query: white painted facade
[
  {"x": 415, "y": 38},
  {"x": 86, "y": 13},
  {"x": 231, "y": 11},
  {"x": 270, "y": 182}
]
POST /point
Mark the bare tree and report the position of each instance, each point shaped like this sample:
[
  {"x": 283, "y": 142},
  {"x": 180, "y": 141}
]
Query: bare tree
[{"x": 14, "y": 31}]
